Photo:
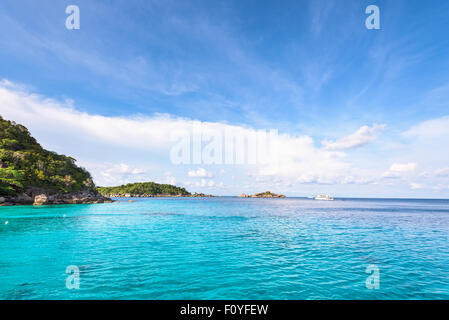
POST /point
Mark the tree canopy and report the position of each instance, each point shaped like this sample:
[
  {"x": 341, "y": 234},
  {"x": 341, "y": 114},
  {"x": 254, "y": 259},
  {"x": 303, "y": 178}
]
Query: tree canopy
[
  {"x": 144, "y": 188},
  {"x": 24, "y": 163}
]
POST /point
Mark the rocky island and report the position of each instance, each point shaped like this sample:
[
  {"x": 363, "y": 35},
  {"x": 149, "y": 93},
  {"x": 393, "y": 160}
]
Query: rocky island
[
  {"x": 29, "y": 174},
  {"x": 202, "y": 195},
  {"x": 266, "y": 194}
]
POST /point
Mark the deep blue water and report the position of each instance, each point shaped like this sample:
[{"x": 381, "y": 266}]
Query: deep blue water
[{"x": 227, "y": 248}]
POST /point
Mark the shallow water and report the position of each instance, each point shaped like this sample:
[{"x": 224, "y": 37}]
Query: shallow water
[{"x": 227, "y": 248}]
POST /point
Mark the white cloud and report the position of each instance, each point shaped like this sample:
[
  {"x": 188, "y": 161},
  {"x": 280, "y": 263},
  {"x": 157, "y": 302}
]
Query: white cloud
[
  {"x": 170, "y": 179},
  {"x": 435, "y": 128},
  {"x": 403, "y": 167},
  {"x": 42, "y": 114},
  {"x": 200, "y": 173},
  {"x": 359, "y": 138},
  {"x": 399, "y": 169},
  {"x": 59, "y": 123},
  {"x": 109, "y": 174},
  {"x": 94, "y": 138},
  {"x": 301, "y": 162},
  {"x": 426, "y": 143},
  {"x": 442, "y": 172},
  {"x": 440, "y": 187},
  {"x": 202, "y": 183},
  {"x": 416, "y": 186}
]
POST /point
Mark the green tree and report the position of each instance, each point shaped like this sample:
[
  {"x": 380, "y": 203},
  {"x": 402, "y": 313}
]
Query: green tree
[
  {"x": 141, "y": 188},
  {"x": 24, "y": 163}
]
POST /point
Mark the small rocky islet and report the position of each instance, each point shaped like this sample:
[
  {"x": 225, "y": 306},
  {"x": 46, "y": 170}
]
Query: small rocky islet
[{"x": 266, "y": 194}]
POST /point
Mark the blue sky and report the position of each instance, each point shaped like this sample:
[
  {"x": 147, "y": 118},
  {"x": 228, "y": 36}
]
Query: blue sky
[{"x": 306, "y": 68}]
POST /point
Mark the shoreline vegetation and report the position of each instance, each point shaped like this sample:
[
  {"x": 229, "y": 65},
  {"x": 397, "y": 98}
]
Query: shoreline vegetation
[
  {"x": 29, "y": 174},
  {"x": 148, "y": 190}
]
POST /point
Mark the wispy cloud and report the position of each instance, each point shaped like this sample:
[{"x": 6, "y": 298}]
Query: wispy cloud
[
  {"x": 429, "y": 129},
  {"x": 200, "y": 173},
  {"x": 398, "y": 170},
  {"x": 359, "y": 138}
]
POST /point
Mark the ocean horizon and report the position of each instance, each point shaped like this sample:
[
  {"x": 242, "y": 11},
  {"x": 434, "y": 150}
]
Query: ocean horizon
[{"x": 227, "y": 248}]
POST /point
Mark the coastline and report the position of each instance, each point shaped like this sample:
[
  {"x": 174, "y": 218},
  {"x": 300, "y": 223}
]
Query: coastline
[
  {"x": 89, "y": 197},
  {"x": 39, "y": 197}
]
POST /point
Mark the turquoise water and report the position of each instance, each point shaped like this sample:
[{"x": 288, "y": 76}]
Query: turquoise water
[{"x": 227, "y": 248}]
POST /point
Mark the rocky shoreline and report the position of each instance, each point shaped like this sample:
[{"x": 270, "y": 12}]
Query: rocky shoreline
[{"x": 42, "y": 197}]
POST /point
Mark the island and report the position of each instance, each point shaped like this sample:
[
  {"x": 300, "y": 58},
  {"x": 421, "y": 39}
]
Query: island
[
  {"x": 29, "y": 174},
  {"x": 266, "y": 194},
  {"x": 147, "y": 190},
  {"x": 202, "y": 195}
]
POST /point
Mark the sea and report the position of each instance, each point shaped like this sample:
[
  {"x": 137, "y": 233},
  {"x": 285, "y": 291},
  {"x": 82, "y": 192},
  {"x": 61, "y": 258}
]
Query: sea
[{"x": 226, "y": 248}]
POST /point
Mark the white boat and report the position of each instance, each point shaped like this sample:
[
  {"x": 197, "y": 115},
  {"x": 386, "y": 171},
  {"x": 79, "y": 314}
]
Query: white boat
[{"x": 324, "y": 197}]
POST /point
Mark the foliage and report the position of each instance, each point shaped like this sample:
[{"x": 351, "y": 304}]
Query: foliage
[
  {"x": 147, "y": 188},
  {"x": 24, "y": 163}
]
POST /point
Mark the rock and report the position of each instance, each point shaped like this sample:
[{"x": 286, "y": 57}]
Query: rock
[
  {"x": 39, "y": 196},
  {"x": 24, "y": 199},
  {"x": 5, "y": 204},
  {"x": 40, "y": 199},
  {"x": 198, "y": 195}
]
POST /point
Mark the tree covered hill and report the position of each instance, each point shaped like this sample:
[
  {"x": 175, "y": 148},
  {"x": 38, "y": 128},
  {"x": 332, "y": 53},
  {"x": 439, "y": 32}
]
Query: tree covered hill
[
  {"x": 24, "y": 164},
  {"x": 144, "y": 188}
]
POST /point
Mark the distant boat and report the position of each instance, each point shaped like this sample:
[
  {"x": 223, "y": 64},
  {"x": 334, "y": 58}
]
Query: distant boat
[{"x": 324, "y": 197}]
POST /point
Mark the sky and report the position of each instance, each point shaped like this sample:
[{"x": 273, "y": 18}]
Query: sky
[{"x": 357, "y": 112}]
